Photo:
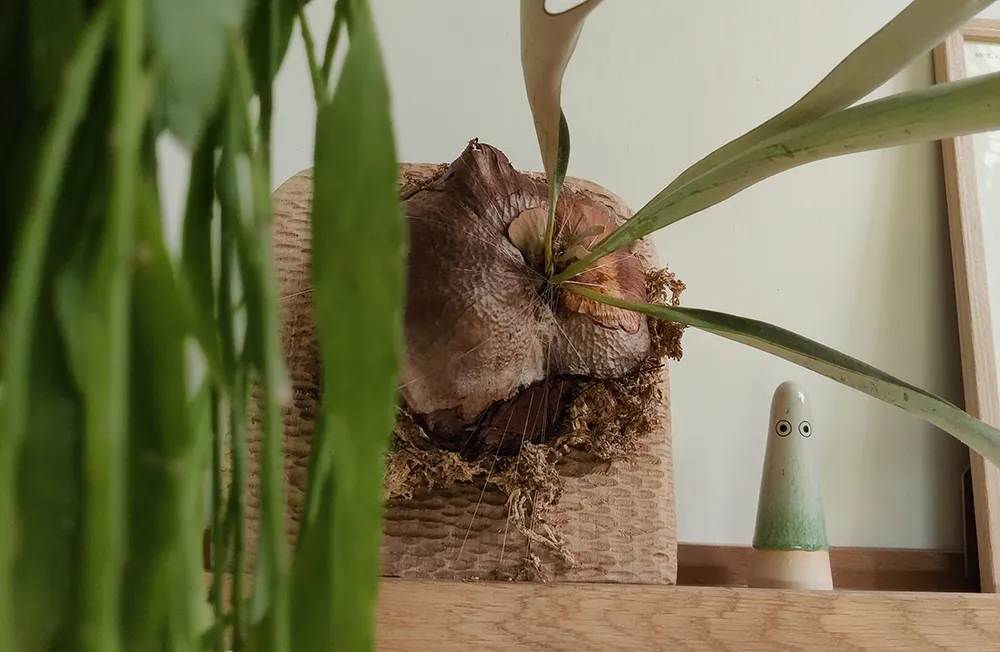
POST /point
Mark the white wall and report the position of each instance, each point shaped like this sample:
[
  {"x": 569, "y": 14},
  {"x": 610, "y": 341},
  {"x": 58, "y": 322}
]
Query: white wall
[{"x": 852, "y": 252}]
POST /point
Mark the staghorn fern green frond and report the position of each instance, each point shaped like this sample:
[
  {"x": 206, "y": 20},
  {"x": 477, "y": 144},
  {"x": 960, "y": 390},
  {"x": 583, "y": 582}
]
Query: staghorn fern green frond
[{"x": 821, "y": 125}]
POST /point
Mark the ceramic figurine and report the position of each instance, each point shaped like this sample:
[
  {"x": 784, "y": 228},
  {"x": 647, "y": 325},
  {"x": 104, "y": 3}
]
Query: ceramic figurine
[{"x": 790, "y": 549}]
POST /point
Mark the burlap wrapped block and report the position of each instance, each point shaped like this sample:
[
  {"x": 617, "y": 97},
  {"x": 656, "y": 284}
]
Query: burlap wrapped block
[{"x": 616, "y": 520}]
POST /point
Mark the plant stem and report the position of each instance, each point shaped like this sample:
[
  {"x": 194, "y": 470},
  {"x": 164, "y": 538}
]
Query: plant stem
[
  {"x": 319, "y": 82},
  {"x": 550, "y": 223},
  {"x": 219, "y": 534},
  {"x": 104, "y": 448},
  {"x": 339, "y": 15},
  {"x": 237, "y": 416}
]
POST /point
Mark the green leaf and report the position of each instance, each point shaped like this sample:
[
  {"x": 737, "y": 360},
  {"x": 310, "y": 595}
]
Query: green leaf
[
  {"x": 359, "y": 245},
  {"x": 49, "y": 487},
  {"x": 21, "y": 299},
  {"x": 547, "y": 44},
  {"x": 55, "y": 31},
  {"x": 267, "y": 19},
  {"x": 246, "y": 186},
  {"x": 163, "y": 443},
  {"x": 921, "y": 26},
  {"x": 189, "y": 41},
  {"x": 318, "y": 81},
  {"x": 340, "y": 10},
  {"x": 940, "y": 111},
  {"x": 833, "y": 364},
  {"x": 106, "y": 320},
  {"x": 197, "y": 284},
  {"x": 191, "y": 617},
  {"x": 21, "y": 131}
]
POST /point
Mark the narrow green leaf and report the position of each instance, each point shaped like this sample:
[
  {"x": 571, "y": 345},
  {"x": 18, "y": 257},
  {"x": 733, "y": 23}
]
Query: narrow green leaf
[
  {"x": 189, "y": 41},
  {"x": 162, "y": 447},
  {"x": 547, "y": 44},
  {"x": 917, "y": 29},
  {"x": 198, "y": 283},
  {"x": 359, "y": 245},
  {"x": 833, "y": 364},
  {"x": 318, "y": 81},
  {"x": 555, "y": 186},
  {"x": 340, "y": 10},
  {"x": 270, "y": 21},
  {"x": 237, "y": 398},
  {"x": 21, "y": 298},
  {"x": 940, "y": 111},
  {"x": 49, "y": 487},
  {"x": 22, "y": 130},
  {"x": 314, "y": 565},
  {"x": 107, "y": 365},
  {"x": 191, "y": 617},
  {"x": 55, "y": 31},
  {"x": 269, "y": 602}
]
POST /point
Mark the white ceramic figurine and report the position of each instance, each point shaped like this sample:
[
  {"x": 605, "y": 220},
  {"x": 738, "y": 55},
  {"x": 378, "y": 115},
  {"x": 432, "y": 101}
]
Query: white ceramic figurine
[{"x": 790, "y": 549}]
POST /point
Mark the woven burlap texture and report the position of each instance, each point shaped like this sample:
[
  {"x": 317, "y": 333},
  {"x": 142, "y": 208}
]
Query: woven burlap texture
[{"x": 617, "y": 521}]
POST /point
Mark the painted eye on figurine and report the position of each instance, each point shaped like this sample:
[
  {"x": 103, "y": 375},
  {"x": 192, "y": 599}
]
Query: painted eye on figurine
[
  {"x": 783, "y": 428},
  {"x": 805, "y": 429}
]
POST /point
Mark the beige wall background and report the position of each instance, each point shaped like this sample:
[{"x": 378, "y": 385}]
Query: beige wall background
[{"x": 852, "y": 251}]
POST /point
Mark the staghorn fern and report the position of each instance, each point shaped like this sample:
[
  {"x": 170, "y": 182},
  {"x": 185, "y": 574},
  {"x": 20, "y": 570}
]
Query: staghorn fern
[{"x": 822, "y": 124}]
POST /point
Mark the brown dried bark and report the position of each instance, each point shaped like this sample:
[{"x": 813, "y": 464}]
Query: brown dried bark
[{"x": 482, "y": 324}]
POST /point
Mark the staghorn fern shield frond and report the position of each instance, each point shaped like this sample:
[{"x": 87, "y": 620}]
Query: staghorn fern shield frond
[
  {"x": 822, "y": 124},
  {"x": 125, "y": 365}
]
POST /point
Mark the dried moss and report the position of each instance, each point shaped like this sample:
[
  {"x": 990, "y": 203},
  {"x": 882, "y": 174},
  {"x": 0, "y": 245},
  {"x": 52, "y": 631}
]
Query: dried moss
[{"x": 606, "y": 420}]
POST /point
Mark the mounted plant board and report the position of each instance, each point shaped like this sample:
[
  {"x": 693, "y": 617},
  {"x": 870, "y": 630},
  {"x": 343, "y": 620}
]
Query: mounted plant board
[
  {"x": 972, "y": 185},
  {"x": 589, "y": 500}
]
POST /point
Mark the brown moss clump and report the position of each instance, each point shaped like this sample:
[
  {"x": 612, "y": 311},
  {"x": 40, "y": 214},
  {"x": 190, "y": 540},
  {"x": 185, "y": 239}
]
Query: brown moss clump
[{"x": 604, "y": 421}]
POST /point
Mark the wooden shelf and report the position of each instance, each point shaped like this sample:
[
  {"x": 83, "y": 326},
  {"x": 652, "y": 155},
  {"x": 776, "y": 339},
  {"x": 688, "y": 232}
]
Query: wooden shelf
[
  {"x": 438, "y": 616},
  {"x": 865, "y": 569}
]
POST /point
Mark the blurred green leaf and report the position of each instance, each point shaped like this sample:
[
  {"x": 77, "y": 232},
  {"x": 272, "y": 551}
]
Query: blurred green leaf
[
  {"x": 247, "y": 187},
  {"x": 828, "y": 362},
  {"x": 197, "y": 286},
  {"x": 318, "y": 81},
  {"x": 163, "y": 445},
  {"x": 340, "y": 10},
  {"x": 921, "y": 26},
  {"x": 312, "y": 575},
  {"x": 55, "y": 32},
  {"x": 49, "y": 487},
  {"x": 21, "y": 299},
  {"x": 359, "y": 246},
  {"x": 940, "y": 111},
  {"x": 267, "y": 18},
  {"x": 47, "y": 566},
  {"x": 106, "y": 320},
  {"x": 22, "y": 126},
  {"x": 189, "y": 41}
]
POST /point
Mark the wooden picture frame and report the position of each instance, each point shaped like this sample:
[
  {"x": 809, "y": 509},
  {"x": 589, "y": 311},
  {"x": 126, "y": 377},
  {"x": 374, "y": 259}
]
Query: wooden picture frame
[{"x": 977, "y": 319}]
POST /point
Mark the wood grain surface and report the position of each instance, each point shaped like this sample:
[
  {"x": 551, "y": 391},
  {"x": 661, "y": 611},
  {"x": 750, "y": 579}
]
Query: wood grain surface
[
  {"x": 865, "y": 569},
  {"x": 439, "y": 616},
  {"x": 975, "y": 323}
]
